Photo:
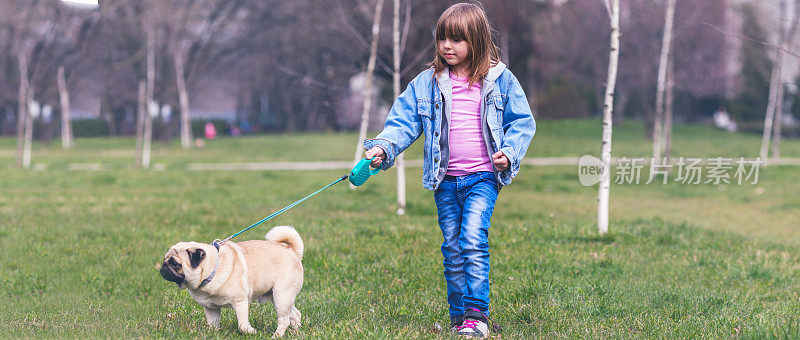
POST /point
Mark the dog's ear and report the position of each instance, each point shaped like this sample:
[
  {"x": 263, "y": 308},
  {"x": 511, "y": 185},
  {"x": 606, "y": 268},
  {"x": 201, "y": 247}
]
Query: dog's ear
[{"x": 196, "y": 256}]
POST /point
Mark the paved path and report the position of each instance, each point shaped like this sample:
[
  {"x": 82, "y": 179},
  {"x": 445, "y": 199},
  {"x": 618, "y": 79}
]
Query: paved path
[
  {"x": 412, "y": 163},
  {"x": 345, "y": 165},
  {"x": 342, "y": 165}
]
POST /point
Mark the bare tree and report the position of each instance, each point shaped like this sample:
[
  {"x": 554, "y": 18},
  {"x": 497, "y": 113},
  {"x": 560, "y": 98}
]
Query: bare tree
[
  {"x": 141, "y": 111},
  {"x": 666, "y": 42},
  {"x": 26, "y": 29},
  {"x": 774, "y": 84},
  {"x": 150, "y": 89},
  {"x": 183, "y": 98},
  {"x": 192, "y": 30},
  {"x": 66, "y": 124},
  {"x": 28, "y": 134},
  {"x": 669, "y": 102},
  {"x": 774, "y": 114},
  {"x": 362, "y": 132},
  {"x": 791, "y": 17},
  {"x": 400, "y": 160},
  {"x": 22, "y": 107},
  {"x": 608, "y": 109},
  {"x": 77, "y": 29}
]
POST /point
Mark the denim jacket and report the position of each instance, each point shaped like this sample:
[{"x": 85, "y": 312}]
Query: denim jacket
[{"x": 424, "y": 108}]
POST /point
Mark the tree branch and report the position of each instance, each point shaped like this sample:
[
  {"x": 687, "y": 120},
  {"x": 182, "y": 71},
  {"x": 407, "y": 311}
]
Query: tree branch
[
  {"x": 306, "y": 79},
  {"x": 414, "y": 62},
  {"x": 742, "y": 36}
]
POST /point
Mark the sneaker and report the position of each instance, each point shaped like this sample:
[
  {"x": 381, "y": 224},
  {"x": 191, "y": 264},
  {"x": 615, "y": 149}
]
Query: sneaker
[
  {"x": 476, "y": 325},
  {"x": 455, "y": 323}
]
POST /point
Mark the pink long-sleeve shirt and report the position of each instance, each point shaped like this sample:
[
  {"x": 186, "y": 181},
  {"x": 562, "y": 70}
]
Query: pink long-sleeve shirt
[{"x": 468, "y": 153}]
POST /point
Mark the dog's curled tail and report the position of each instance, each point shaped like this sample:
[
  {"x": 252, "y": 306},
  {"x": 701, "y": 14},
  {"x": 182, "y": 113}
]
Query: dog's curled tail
[{"x": 286, "y": 234}]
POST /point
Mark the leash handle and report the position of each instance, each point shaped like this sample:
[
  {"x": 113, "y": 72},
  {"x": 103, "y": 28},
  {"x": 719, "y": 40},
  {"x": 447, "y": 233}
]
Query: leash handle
[
  {"x": 217, "y": 242},
  {"x": 361, "y": 172}
]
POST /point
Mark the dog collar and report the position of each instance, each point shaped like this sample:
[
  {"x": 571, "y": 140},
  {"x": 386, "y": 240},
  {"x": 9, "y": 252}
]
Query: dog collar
[{"x": 210, "y": 277}]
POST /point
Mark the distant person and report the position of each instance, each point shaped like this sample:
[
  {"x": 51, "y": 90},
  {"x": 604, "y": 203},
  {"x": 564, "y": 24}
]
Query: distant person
[
  {"x": 477, "y": 125},
  {"x": 722, "y": 120},
  {"x": 245, "y": 126},
  {"x": 210, "y": 131}
]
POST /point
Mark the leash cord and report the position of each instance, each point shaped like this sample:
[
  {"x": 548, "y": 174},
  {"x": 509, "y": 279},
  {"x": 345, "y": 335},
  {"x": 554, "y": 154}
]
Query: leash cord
[{"x": 279, "y": 211}]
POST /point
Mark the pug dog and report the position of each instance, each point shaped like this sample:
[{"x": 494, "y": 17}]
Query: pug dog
[{"x": 238, "y": 273}]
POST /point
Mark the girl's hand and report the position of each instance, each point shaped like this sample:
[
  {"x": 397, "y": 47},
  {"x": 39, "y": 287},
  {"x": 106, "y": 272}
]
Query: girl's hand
[
  {"x": 377, "y": 155},
  {"x": 500, "y": 161}
]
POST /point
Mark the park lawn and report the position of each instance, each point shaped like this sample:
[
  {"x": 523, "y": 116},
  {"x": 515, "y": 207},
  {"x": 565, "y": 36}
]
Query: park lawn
[
  {"x": 80, "y": 250},
  {"x": 554, "y": 138}
]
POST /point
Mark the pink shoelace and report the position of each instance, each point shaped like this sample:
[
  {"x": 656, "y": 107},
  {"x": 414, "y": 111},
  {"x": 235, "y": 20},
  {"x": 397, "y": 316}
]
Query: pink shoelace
[{"x": 469, "y": 323}]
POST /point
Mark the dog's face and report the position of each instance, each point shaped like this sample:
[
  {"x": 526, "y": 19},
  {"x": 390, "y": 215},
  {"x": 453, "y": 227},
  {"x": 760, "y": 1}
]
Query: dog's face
[{"x": 186, "y": 262}]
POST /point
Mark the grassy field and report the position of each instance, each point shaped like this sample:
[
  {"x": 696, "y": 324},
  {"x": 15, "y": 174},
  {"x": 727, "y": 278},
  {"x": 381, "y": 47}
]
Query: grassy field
[{"x": 80, "y": 250}]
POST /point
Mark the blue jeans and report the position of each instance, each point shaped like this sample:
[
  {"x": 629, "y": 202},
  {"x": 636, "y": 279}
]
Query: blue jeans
[{"x": 465, "y": 205}]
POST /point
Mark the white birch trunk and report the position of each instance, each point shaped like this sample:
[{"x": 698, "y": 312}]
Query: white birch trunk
[
  {"x": 66, "y": 112},
  {"x": 776, "y": 130},
  {"x": 666, "y": 43},
  {"x": 148, "y": 117},
  {"x": 141, "y": 111},
  {"x": 26, "y": 152},
  {"x": 400, "y": 161},
  {"x": 790, "y": 13},
  {"x": 22, "y": 104},
  {"x": 608, "y": 109},
  {"x": 774, "y": 81},
  {"x": 769, "y": 117},
  {"x": 668, "y": 110},
  {"x": 373, "y": 54},
  {"x": 183, "y": 98}
]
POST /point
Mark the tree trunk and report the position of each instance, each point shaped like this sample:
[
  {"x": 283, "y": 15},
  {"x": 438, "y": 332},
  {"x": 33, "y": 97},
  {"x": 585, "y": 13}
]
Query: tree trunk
[
  {"x": 26, "y": 152},
  {"x": 66, "y": 113},
  {"x": 22, "y": 106},
  {"x": 668, "y": 110},
  {"x": 608, "y": 109},
  {"x": 400, "y": 161},
  {"x": 776, "y": 131},
  {"x": 774, "y": 82},
  {"x": 148, "y": 117},
  {"x": 769, "y": 117},
  {"x": 785, "y": 45},
  {"x": 183, "y": 98},
  {"x": 373, "y": 53},
  {"x": 141, "y": 111},
  {"x": 666, "y": 43}
]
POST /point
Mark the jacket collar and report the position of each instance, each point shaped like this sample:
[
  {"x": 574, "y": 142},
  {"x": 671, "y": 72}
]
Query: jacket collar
[
  {"x": 443, "y": 80},
  {"x": 495, "y": 71}
]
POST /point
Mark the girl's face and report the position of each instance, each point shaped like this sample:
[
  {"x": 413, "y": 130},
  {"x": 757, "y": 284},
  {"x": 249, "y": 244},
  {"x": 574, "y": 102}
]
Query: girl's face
[{"x": 455, "y": 52}]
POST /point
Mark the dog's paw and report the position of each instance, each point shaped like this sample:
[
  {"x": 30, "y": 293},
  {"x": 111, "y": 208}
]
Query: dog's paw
[
  {"x": 213, "y": 324},
  {"x": 247, "y": 330},
  {"x": 296, "y": 325}
]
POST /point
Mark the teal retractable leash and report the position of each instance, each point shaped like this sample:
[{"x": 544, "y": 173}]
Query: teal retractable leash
[
  {"x": 361, "y": 172},
  {"x": 358, "y": 176}
]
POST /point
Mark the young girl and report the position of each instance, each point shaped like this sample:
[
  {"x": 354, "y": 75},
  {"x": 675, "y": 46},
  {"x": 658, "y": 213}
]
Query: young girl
[{"x": 477, "y": 125}]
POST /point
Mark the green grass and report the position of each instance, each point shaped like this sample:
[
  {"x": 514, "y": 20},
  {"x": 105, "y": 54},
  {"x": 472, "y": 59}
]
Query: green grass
[
  {"x": 79, "y": 250},
  {"x": 559, "y": 138}
]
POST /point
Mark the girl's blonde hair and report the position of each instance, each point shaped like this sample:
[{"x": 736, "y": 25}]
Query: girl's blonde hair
[{"x": 467, "y": 22}]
